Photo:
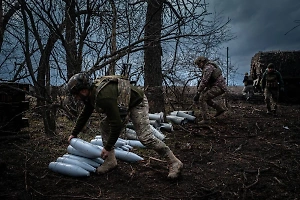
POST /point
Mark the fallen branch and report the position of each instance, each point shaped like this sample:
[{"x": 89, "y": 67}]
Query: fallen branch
[
  {"x": 256, "y": 124},
  {"x": 256, "y": 170},
  {"x": 256, "y": 181},
  {"x": 244, "y": 175},
  {"x": 200, "y": 126},
  {"x": 257, "y": 109},
  {"x": 132, "y": 171},
  {"x": 239, "y": 148},
  {"x": 278, "y": 181},
  {"x": 156, "y": 159},
  {"x": 210, "y": 148}
]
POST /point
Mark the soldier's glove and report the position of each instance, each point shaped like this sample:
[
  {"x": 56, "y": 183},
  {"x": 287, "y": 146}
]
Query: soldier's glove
[{"x": 196, "y": 97}]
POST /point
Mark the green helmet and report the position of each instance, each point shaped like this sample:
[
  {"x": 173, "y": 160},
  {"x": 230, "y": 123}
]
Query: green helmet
[
  {"x": 78, "y": 82},
  {"x": 200, "y": 59}
]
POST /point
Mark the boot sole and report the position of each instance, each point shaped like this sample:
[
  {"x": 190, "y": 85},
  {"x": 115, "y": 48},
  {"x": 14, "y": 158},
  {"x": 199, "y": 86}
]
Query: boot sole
[
  {"x": 178, "y": 174},
  {"x": 220, "y": 113},
  {"x": 111, "y": 169}
]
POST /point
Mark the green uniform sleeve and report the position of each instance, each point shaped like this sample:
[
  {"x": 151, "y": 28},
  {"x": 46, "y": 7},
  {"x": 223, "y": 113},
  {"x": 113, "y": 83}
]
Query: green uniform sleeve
[
  {"x": 110, "y": 108},
  {"x": 83, "y": 118}
]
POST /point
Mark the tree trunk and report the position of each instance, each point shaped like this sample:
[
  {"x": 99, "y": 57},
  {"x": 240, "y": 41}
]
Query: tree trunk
[
  {"x": 152, "y": 57},
  {"x": 73, "y": 64},
  {"x": 5, "y": 17},
  {"x": 42, "y": 85},
  {"x": 72, "y": 59},
  {"x": 113, "y": 45}
]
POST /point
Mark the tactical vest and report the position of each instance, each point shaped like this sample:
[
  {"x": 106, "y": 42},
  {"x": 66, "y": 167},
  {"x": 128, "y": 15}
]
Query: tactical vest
[
  {"x": 215, "y": 74},
  {"x": 271, "y": 80},
  {"x": 124, "y": 90},
  {"x": 250, "y": 81}
]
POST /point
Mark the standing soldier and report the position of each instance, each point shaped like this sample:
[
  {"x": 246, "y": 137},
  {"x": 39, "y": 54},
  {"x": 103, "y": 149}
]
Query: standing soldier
[
  {"x": 212, "y": 85},
  {"x": 118, "y": 100},
  {"x": 271, "y": 84},
  {"x": 248, "y": 89}
]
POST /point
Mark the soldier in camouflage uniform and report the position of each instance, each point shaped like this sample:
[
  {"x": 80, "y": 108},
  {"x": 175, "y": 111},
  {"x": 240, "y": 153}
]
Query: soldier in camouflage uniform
[
  {"x": 212, "y": 85},
  {"x": 118, "y": 100},
  {"x": 271, "y": 84},
  {"x": 248, "y": 89}
]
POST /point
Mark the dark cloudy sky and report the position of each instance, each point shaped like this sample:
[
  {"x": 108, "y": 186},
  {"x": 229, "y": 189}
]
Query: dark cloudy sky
[{"x": 259, "y": 25}]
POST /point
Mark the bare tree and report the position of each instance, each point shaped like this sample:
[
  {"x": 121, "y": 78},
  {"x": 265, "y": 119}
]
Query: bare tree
[
  {"x": 42, "y": 83},
  {"x": 112, "y": 70},
  {"x": 5, "y": 16},
  {"x": 72, "y": 55},
  {"x": 50, "y": 42},
  {"x": 152, "y": 58}
]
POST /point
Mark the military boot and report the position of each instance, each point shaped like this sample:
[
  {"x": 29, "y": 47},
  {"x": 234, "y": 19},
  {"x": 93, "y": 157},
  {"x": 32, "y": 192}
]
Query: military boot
[
  {"x": 109, "y": 163},
  {"x": 175, "y": 166},
  {"x": 205, "y": 119},
  {"x": 220, "y": 110}
]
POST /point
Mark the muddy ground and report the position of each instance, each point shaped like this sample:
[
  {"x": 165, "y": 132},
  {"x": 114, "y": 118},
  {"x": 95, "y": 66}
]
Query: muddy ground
[{"x": 243, "y": 154}]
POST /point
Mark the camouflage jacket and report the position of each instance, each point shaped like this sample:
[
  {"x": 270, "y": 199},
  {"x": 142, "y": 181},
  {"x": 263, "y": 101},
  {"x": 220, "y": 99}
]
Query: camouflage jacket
[
  {"x": 271, "y": 79},
  {"x": 247, "y": 80},
  {"x": 106, "y": 101},
  {"x": 206, "y": 80}
]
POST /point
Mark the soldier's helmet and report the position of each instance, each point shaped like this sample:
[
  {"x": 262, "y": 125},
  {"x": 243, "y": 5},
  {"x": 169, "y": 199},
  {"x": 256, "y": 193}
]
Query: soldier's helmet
[
  {"x": 78, "y": 82},
  {"x": 200, "y": 59},
  {"x": 271, "y": 66},
  {"x": 246, "y": 74}
]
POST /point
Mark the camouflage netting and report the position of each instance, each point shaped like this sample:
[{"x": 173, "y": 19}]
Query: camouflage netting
[{"x": 287, "y": 62}]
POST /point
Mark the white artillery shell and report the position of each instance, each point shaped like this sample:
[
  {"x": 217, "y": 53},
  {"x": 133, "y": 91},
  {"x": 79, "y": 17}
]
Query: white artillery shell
[
  {"x": 68, "y": 169},
  {"x": 81, "y": 164}
]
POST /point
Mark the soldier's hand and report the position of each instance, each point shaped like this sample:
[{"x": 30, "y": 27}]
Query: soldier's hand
[{"x": 70, "y": 138}]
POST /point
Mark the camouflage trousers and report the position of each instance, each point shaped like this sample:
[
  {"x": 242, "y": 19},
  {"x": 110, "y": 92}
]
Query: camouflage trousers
[
  {"x": 206, "y": 99},
  {"x": 271, "y": 98},
  {"x": 248, "y": 91},
  {"x": 139, "y": 116}
]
